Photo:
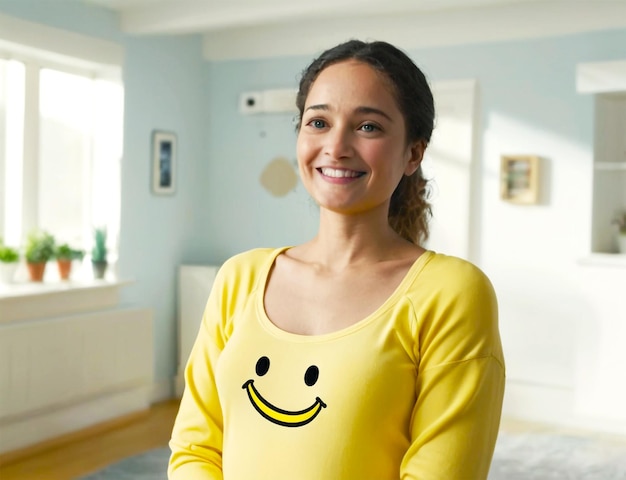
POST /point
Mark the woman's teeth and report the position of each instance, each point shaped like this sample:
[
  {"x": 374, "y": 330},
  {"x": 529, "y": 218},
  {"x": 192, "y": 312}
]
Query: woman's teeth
[{"x": 332, "y": 172}]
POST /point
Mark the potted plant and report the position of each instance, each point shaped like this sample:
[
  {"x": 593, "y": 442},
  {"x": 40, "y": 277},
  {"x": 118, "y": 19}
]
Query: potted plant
[
  {"x": 620, "y": 221},
  {"x": 39, "y": 249},
  {"x": 65, "y": 255},
  {"x": 99, "y": 252},
  {"x": 9, "y": 259}
]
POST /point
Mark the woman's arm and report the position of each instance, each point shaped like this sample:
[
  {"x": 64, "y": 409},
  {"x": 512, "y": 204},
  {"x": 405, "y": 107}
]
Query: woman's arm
[
  {"x": 460, "y": 383},
  {"x": 196, "y": 441}
]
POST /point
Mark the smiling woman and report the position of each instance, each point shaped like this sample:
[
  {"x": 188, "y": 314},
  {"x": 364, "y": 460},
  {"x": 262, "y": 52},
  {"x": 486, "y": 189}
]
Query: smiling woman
[
  {"x": 342, "y": 140},
  {"x": 359, "y": 354}
]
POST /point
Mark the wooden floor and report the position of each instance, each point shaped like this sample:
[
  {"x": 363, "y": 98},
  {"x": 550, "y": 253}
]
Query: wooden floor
[{"x": 95, "y": 448}]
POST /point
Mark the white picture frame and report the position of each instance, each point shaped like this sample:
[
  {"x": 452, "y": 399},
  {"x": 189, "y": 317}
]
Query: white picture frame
[{"x": 164, "y": 162}]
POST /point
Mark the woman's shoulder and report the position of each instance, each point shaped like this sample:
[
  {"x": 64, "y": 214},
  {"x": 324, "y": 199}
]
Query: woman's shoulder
[
  {"x": 452, "y": 266},
  {"x": 241, "y": 275},
  {"x": 246, "y": 266},
  {"x": 451, "y": 273},
  {"x": 252, "y": 257},
  {"x": 457, "y": 299}
]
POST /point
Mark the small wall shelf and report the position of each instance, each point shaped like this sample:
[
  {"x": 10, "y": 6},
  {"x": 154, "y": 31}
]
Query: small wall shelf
[
  {"x": 610, "y": 166},
  {"x": 604, "y": 260}
]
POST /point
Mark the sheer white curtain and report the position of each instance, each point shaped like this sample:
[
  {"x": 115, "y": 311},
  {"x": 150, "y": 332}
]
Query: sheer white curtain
[{"x": 12, "y": 75}]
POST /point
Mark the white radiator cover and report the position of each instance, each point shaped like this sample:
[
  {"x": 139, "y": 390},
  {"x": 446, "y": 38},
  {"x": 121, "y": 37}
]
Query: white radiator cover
[
  {"x": 194, "y": 285},
  {"x": 63, "y": 373}
]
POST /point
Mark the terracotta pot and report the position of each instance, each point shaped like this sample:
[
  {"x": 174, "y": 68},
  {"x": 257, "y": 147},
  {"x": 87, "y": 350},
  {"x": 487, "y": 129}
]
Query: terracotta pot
[
  {"x": 36, "y": 271},
  {"x": 65, "y": 268}
]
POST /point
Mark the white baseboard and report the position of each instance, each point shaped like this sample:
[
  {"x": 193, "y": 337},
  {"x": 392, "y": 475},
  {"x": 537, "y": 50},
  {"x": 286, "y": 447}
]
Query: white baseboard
[
  {"x": 554, "y": 406},
  {"x": 22, "y": 432},
  {"x": 537, "y": 403}
]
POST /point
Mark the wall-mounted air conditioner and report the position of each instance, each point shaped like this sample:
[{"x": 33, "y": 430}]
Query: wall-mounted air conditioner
[{"x": 268, "y": 101}]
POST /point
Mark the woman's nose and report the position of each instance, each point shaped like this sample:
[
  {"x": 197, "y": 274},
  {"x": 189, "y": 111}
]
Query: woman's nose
[{"x": 338, "y": 143}]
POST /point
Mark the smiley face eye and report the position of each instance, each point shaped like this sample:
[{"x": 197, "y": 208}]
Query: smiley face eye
[
  {"x": 311, "y": 375},
  {"x": 262, "y": 366}
]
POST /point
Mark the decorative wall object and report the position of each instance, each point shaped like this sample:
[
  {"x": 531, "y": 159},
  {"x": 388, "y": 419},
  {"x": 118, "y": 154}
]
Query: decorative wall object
[
  {"x": 163, "y": 163},
  {"x": 279, "y": 177},
  {"x": 519, "y": 179}
]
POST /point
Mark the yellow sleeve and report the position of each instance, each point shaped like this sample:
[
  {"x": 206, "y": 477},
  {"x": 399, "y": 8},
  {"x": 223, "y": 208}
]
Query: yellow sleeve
[
  {"x": 460, "y": 383},
  {"x": 196, "y": 441}
]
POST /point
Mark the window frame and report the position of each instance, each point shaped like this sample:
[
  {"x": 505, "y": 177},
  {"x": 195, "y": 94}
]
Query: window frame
[{"x": 40, "y": 47}]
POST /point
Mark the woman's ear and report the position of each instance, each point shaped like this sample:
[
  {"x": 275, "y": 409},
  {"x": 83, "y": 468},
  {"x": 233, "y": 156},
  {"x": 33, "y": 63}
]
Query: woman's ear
[{"x": 416, "y": 155}]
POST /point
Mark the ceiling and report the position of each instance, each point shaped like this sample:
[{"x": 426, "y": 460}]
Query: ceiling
[
  {"x": 200, "y": 16},
  {"x": 253, "y": 28}
]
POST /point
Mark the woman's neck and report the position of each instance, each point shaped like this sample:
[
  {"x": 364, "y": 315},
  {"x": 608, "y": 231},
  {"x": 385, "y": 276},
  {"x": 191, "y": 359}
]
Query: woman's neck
[{"x": 351, "y": 241}]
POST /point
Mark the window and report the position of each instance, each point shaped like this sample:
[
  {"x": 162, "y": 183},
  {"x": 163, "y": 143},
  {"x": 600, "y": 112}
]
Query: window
[{"x": 60, "y": 152}]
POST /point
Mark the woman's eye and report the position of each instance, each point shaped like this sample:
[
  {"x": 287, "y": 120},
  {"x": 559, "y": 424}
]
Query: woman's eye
[
  {"x": 368, "y": 127},
  {"x": 317, "y": 123}
]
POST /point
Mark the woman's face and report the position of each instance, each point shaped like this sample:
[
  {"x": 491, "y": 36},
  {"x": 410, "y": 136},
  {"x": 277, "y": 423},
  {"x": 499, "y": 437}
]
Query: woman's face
[{"x": 352, "y": 149}]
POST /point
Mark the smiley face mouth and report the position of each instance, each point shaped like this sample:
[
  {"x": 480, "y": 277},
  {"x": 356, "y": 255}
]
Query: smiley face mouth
[{"x": 279, "y": 416}]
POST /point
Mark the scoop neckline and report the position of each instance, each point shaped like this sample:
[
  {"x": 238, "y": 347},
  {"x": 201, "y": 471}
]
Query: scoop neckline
[{"x": 390, "y": 302}]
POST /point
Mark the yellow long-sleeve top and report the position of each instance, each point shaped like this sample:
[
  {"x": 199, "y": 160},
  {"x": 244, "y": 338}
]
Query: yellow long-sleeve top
[{"x": 412, "y": 391}]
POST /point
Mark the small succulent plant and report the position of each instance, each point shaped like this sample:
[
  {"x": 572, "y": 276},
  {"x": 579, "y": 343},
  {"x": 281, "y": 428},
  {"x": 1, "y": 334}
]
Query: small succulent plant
[{"x": 99, "y": 251}]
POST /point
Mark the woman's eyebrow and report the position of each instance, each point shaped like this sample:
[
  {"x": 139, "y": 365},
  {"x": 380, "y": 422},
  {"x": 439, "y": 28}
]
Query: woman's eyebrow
[
  {"x": 364, "y": 109},
  {"x": 321, "y": 106},
  {"x": 373, "y": 110}
]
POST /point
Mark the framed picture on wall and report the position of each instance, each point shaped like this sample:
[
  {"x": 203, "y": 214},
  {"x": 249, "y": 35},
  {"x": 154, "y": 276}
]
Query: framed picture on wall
[
  {"x": 519, "y": 179},
  {"x": 163, "y": 162}
]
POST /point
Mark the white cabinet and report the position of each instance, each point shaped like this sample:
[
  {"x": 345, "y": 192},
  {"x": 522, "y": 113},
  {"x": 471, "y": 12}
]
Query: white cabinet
[
  {"x": 70, "y": 357},
  {"x": 194, "y": 286}
]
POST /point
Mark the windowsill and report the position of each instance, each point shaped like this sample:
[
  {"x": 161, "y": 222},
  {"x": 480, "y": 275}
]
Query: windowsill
[
  {"x": 604, "y": 260},
  {"x": 27, "y": 289},
  {"x": 39, "y": 300}
]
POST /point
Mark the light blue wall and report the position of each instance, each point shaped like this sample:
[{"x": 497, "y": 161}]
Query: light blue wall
[
  {"x": 242, "y": 214},
  {"x": 163, "y": 90}
]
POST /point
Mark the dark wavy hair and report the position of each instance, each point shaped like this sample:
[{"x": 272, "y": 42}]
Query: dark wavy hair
[{"x": 409, "y": 210}]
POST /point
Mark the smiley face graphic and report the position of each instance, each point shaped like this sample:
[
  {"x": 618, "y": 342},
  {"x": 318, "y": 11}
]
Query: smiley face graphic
[{"x": 277, "y": 415}]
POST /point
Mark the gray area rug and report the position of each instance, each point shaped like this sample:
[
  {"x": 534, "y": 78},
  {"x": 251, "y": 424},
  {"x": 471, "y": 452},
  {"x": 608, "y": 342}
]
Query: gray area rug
[
  {"x": 527, "y": 456},
  {"x": 541, "y": 456},
  {"x": 151, "y": 465}
]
